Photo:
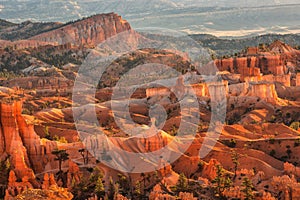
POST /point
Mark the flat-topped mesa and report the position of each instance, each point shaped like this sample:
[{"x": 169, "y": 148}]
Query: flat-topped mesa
[{"x": 87, "y": 32}]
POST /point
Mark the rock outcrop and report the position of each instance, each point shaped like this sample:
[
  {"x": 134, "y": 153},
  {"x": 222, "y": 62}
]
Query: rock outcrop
[
  {"x": 298, "y": 79},
  {"x": 90, "y": 31},
  {"x": 210, "y": 170},
  {"x": 15, "y": 188},
  {"x": 253, "y": 66},
  {"x": 53, "y": 192},
  {"x": 282, "y": 79},
  {"x": 264, "y": 90},
  {"x": 28, "y": 153},
  {"x": 13, "y": 143},
  {"x": 276, "y": 61}
]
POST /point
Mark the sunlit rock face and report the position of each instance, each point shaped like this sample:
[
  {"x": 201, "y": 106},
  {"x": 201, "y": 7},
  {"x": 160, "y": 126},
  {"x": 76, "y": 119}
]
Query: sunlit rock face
[
  {"x": 12, "y": 140},
  {"x": 277, "y": 59},
  {"x": 298, "y": 79},
  {"x": 282, "y": 79},
  {"x": 218, "y": 90},
  {"x": 200, "y": 89},
  {"x": 253, "y": 66},
  {"x": 252, "y": 50},
  {"x": 28, "y": 153},
  {"x": 263, "y": 90},
  {"x": 90, "y": 31},
  {"x": 157, "y": 92}
]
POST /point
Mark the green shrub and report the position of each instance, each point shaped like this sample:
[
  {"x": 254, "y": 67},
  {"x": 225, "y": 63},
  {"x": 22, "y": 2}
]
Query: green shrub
[{"x": 295, "y": 125}]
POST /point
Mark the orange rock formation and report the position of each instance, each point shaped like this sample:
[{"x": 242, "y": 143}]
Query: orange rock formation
[{"x": 90, "y": 31}]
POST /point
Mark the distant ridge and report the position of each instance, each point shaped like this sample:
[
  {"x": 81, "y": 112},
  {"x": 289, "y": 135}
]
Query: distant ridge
[
  {"x": 83, "y": 32},
  {"x": 222, "y": 47},
  {"x": 25, "y": 30},
  {"x": 42, "y": 31},
  {"x": 5, "y": 24},
  {"x": 87, "y": 31}
]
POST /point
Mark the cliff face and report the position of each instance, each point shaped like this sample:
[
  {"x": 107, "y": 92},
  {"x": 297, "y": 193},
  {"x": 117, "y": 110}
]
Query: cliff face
[
  {"x": 276, "y": 61},
  {"x": 298, "y": 79},
  {"x": 253, "y": 66},
  {"x": 90, "y": 31},
  {"x": 263, "y": 90},
  {"x": 13, "y": 144},
  {"x": 283, "y": 79},
  {"x": 18, "y": 140}
]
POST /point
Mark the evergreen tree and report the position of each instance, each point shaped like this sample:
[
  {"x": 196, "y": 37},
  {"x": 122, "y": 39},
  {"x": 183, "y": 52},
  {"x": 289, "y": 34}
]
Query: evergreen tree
[
  {"x": 182, "y": 184},
  {"x": 248, "y": 189},
  {"x": 99, "y": 188},
  {"x": 221, "y": 182},
  {"x": 124, "y": 184},
  {"x": 235, "y": 159},
  {"x": 138, "y": 190},
  {"x": 113, "y": 189},
  {"x": 61, "y": 155}
]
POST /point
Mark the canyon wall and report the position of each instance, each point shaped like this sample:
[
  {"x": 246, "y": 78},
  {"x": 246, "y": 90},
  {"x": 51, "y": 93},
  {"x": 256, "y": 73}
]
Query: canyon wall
[
  {"x": 253, "y": 65},
  {"x": 283, "y": 79}
]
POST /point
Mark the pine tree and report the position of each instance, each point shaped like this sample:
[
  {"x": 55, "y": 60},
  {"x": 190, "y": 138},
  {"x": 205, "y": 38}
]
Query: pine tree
[
  {"x": 61, "y": 155},
  {"x": 99, "y": 188},
  {"x": 113, "y": 189},
  {"x": 124, "y": 184},
  {"x": 248, "y": 189},
  {"x": 221, "y": 182},
  {"x": 235, "y": 159},
  {"x": 138, "y": 190},
  {"x": 182, "y": 184}
]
